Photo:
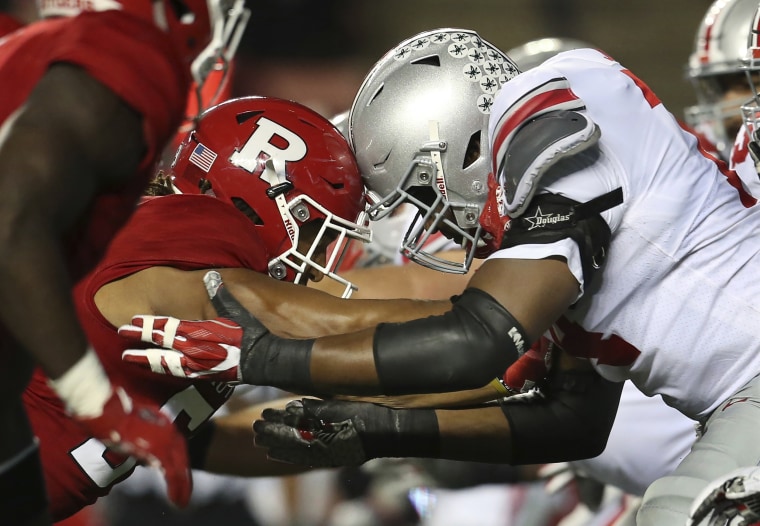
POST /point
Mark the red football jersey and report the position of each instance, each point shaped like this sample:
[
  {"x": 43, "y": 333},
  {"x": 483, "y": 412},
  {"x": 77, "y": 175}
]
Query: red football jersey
[
  {"x": 137, "y": 62},
  {"x": 188, "y": 232},
  {"x": 8, "y": 24}
]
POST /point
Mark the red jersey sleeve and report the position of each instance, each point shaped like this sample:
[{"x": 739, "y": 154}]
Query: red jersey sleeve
[{"x": 137, "y": 62}]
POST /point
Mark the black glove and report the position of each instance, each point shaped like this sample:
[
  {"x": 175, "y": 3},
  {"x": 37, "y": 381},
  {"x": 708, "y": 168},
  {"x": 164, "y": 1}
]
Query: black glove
[{"x": 335, "y": 433}]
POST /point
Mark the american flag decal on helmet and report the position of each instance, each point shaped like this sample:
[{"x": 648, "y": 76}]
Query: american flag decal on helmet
[
  {"x": 202, "y": 157},
  {"x": 552, "y": 95}
]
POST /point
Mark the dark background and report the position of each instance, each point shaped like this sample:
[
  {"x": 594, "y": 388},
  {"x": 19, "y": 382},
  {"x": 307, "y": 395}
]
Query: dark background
[{"x": 317, "y": 51}]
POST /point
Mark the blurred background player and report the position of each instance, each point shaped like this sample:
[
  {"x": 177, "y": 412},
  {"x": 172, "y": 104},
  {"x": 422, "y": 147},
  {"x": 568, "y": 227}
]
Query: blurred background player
[
  {"x": 716, "y": 72},
  {"x": 733, "y": 498},
  {"x": 745, "y": 154},
  {"x": 531, "y": 54},
  {"x": 81, "y": 128}
]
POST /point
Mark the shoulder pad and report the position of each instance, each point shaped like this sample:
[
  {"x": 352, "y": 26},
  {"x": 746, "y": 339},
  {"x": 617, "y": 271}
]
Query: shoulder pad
[{"x": 536, "y": 147}]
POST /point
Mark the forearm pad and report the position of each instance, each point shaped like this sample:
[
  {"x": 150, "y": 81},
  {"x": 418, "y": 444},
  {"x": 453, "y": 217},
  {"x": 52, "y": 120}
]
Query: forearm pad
[
  {"x": 384, "y": 432},
  {"x": 464, "y": 348},
  {"x": 571, "y": 421},
  {"x": 402, "y": 433},
  {"x": 278, "y": 362}
]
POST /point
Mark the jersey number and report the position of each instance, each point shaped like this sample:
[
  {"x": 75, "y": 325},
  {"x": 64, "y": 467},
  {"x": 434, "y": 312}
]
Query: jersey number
[{"x": 187, "y": 407}]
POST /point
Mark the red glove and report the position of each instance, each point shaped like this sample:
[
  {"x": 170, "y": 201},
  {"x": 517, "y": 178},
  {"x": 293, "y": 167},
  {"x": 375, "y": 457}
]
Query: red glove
[
  {"x": 530, "y": 368},
  {"x": 207, "y": 349},
  {"x": 109, "y": 414},
  {"x": 149, "y": 436}
]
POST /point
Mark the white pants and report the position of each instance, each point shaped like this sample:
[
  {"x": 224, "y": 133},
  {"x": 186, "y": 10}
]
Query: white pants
[{"x": 730, "y": 440}]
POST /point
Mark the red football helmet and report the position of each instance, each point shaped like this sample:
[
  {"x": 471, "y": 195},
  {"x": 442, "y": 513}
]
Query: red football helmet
[
  {"x": 206, "y": 33},
  {"x": 289, "y": 170}
]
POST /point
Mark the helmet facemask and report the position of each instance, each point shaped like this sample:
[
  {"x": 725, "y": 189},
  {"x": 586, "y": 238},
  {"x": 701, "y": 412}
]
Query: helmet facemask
[
  {"x": 751, "y": 109},
  {"x": 716, "y": 116},
  {"x": 424, "y": 187},
  {"x": 330, "y": 236}
]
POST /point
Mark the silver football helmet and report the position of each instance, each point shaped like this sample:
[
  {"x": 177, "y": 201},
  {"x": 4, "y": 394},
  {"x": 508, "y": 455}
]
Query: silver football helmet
[
  {"x": 715, "y": 66},
  {"x": 418, "y": 126},
  {"x": 531, "y": 54}
]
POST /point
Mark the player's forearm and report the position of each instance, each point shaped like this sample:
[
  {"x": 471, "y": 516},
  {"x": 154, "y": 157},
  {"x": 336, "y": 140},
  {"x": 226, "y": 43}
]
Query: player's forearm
[
  {"x": 400, "y": 281},
  {"x": 469, "y": 397},
  {"x": 462, "y": 349},
  {"x": 301, "y": 312}
]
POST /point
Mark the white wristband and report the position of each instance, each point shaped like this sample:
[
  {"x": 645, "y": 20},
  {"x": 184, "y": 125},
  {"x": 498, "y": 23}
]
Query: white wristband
[{"x": 85, "y": 387}]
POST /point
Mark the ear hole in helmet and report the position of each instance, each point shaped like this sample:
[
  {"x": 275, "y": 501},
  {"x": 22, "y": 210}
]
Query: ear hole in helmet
[
  {"x": 472, "y": 153},
  {"x": 425, "y": 194},
  {"x": 337, "y": 185},
  {"x": 375, "y": 95},
  {"x": 246, "y": 115},
  {"x": 379, "y": 165},
  {"x": 244, "y": 207},
  {"x": 181, "y": 11},
  {"x": 204, "y": 185},
  {"x": 432, "y": 60},
  {"x": 161, "y": 184}
]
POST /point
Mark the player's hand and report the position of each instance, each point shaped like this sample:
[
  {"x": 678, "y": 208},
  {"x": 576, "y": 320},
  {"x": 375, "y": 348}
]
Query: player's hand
[
  {"x": 733, "y": 499},
  {"x": 317, "y": 433},
  {"x": 531, "y": 368},
  {"x": 146, "y": 434},
  {"x": 207, "y": 349}
]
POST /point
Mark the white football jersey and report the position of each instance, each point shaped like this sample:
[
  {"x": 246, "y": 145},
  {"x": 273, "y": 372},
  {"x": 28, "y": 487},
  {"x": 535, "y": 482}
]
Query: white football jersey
[{"x": 676, "y": 306}]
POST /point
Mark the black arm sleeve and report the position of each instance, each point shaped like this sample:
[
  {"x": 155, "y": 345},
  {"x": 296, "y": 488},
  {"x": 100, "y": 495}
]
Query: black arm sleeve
[
  {"x": 464, "y": 348},
  {"x": 571, "y": 421}
]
